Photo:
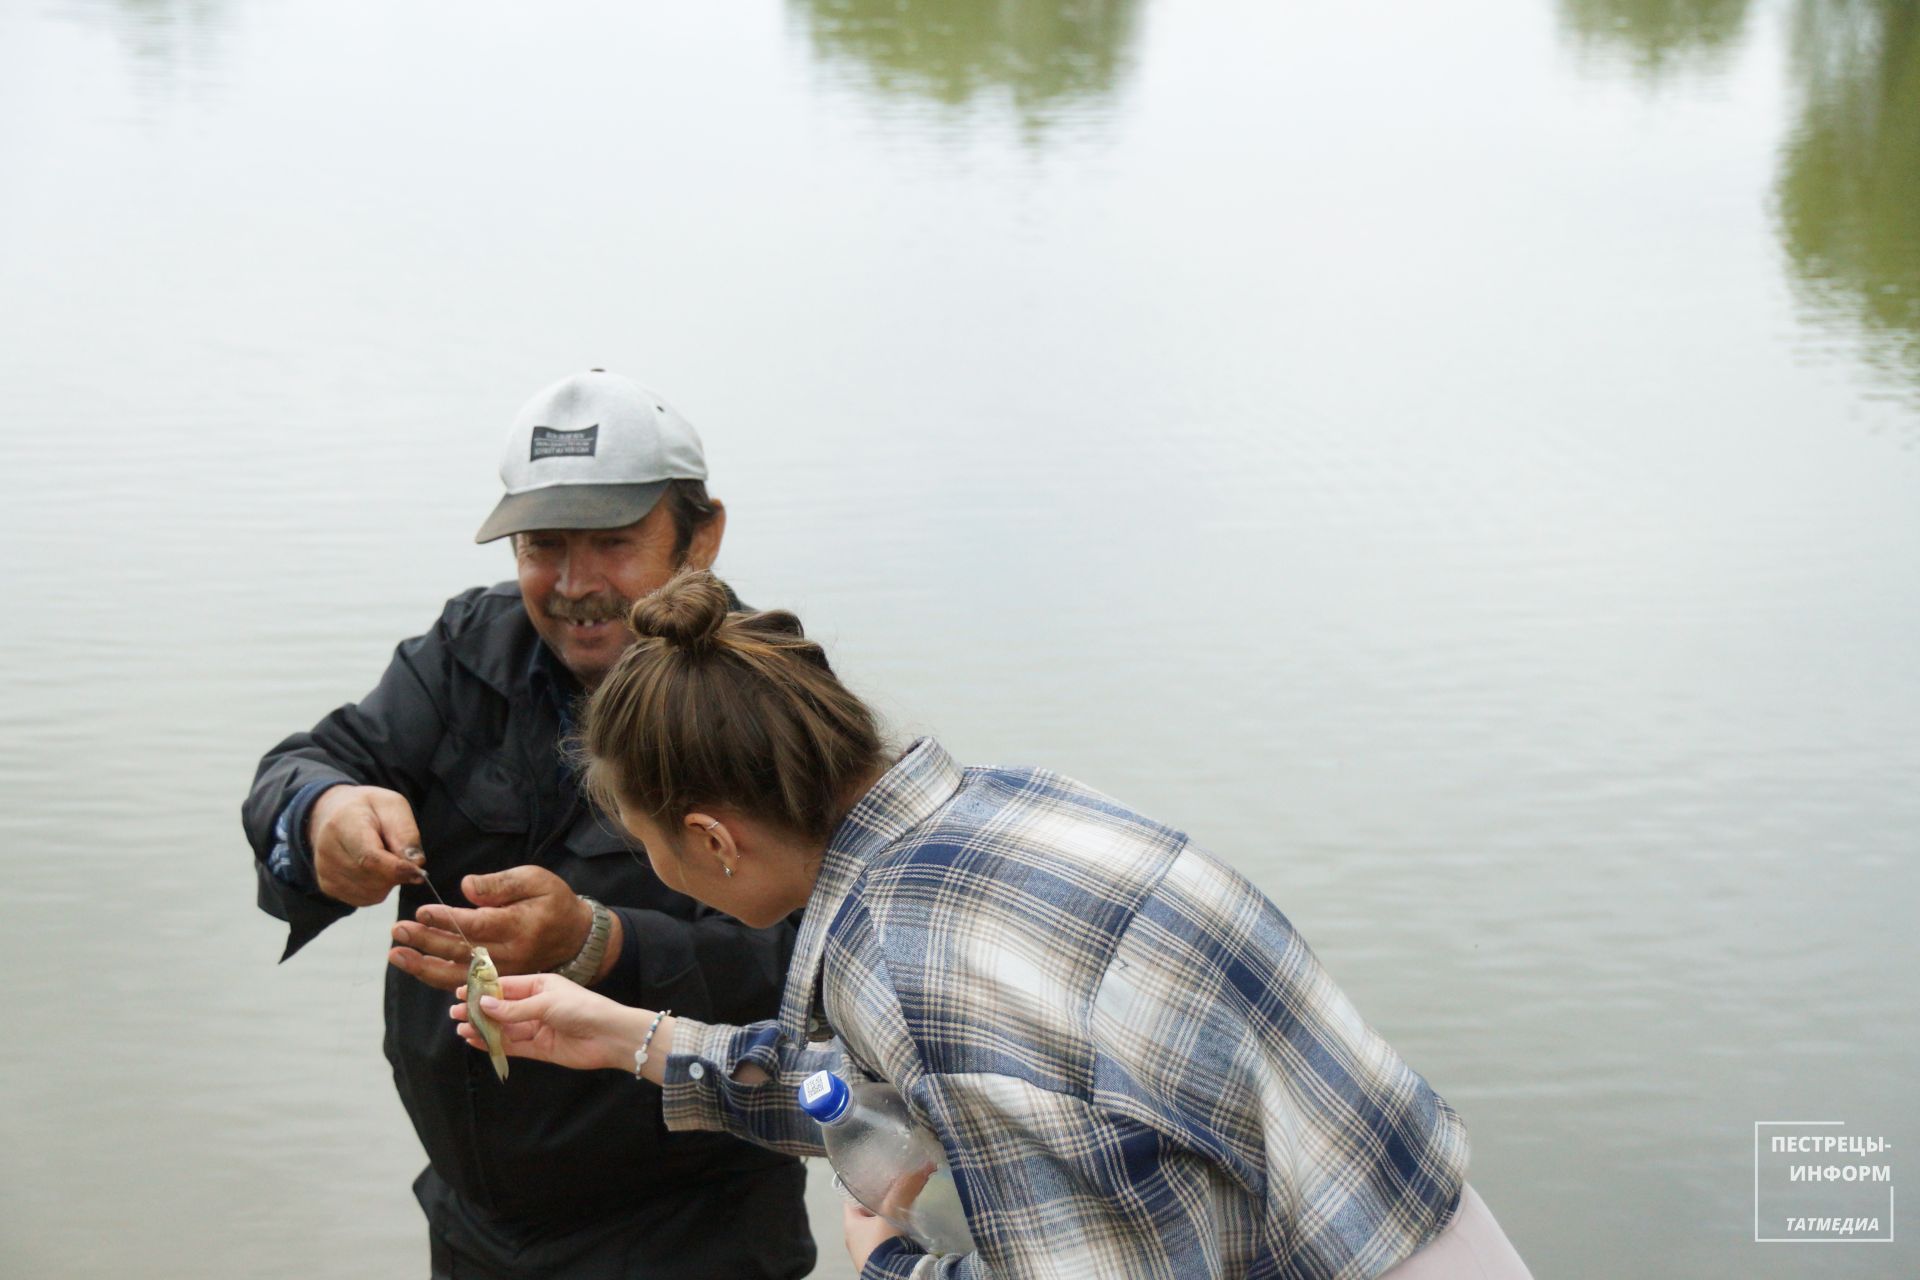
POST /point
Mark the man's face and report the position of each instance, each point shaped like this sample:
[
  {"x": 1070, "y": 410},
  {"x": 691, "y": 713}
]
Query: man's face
[{"x": 578, "y": 584}]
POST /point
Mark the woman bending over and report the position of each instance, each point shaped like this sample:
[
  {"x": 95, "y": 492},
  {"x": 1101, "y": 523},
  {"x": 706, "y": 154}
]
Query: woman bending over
[{"x": 1135, "y": 1065}]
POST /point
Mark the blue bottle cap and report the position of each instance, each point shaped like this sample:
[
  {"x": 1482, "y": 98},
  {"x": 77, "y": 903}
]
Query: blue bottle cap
[{"x": 824, "y": 1096}]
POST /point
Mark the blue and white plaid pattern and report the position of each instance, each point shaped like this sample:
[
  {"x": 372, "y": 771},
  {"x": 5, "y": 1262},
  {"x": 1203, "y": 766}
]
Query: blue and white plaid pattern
[{"x": 1135, "y": 1064}]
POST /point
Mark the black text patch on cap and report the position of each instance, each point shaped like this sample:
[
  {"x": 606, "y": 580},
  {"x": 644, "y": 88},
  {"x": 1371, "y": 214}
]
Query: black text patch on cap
[{"x": 548, "y": 443}]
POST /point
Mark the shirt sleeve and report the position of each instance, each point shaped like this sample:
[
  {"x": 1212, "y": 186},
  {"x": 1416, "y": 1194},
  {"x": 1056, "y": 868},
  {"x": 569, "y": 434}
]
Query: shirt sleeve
[
  {"x": 902, "y": 1259},
  {"x": 701, "y": 1092},
  {"x": 291, "y": 859}
]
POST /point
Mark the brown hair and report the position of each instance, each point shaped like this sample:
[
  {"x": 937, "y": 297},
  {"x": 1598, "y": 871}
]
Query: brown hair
[
  {"x": 690, "y": 508},
  {"x": 712, "y": 707}
]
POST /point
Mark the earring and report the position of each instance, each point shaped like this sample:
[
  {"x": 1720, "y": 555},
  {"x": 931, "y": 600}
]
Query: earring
[{"x": 723, "y": 866}]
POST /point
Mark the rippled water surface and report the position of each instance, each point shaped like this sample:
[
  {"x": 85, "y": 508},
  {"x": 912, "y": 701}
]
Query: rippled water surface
[{"x": 1461, "y": 462}]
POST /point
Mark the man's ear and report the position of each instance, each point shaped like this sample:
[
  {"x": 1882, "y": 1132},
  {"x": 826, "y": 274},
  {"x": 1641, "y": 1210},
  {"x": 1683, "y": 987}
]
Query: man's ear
[{"x": 704, "y": 549}]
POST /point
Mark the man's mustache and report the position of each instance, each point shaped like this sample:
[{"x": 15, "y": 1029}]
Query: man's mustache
[{"x": 601, "y": 608}]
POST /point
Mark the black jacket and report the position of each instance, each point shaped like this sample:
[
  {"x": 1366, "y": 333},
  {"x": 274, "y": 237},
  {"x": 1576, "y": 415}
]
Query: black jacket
[{"x": 459, "y": 725}]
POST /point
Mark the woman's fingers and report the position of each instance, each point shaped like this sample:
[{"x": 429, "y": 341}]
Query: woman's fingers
[
  {"x": 910, "y": 1187},
  {"x": 902, "y": 1194},
  {"x": 510, "y": 1037},
  {"x": 518, "y": 986},
  {"x": 524, "y": 1000},
  {"x": 508, "y": 1046},
  {"x": 511, "y": 1011},
  {"x": 510, "y": 1031}
]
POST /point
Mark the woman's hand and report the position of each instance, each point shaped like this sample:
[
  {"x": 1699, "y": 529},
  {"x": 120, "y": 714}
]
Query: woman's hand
[
  {"x": 864, "y": 1231},
  {"x": 545, "y": 1017}
]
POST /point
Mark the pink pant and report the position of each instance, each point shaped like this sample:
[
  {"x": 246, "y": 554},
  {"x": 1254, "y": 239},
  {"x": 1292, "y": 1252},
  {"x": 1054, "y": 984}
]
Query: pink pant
[{"x": 1473, "y": 1247}]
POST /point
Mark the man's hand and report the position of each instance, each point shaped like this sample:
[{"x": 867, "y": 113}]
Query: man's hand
[
  {"x": 527, "y": 918},
  {"x": 364, "y": 842}
]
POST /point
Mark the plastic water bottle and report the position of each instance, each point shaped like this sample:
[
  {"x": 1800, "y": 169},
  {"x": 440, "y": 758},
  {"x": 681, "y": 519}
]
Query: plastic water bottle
[{"x": 874, "y": 1146}]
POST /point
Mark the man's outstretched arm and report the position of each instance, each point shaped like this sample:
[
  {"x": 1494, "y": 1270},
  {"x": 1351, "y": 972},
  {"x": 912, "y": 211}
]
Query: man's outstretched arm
[{"x": 330, "y": 814}]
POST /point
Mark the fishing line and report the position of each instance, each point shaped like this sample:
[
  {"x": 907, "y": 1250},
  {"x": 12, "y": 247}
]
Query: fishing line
[{"x": 427, "y": 881}]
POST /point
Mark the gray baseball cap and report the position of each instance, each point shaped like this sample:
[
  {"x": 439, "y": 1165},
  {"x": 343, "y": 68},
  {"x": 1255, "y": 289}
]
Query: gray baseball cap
[{"x": 594, "y": 451}]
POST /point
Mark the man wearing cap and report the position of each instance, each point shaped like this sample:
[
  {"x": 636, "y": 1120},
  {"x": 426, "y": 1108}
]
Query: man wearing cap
[{"x": 453, "y": 768}]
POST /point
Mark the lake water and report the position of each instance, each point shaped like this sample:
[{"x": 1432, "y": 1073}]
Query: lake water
[{"x": 1460, "y": 462}]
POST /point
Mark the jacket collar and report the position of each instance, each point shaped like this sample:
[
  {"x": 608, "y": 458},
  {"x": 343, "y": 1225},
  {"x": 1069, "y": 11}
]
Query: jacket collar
[
  {"x": 498, "y": 648},
  {"x": 917, "y": 786}
]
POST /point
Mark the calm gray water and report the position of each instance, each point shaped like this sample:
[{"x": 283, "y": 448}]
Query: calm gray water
[{"x": 1461, "y": 462}]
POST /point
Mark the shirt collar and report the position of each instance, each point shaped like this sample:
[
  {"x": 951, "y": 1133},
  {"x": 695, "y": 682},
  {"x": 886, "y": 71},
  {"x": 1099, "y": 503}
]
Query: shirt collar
[{"x": 919, "y": 783}]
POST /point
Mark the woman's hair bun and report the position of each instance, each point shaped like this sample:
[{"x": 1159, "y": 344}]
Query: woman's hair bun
[{"x": 687, "y": 612}]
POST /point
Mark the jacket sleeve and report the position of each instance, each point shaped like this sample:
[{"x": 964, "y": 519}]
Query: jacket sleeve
[
  {"x": 384, "y": 740},
  {"x": 711, "y": 967}
]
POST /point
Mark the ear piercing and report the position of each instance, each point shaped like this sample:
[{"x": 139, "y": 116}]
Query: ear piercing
[{"x": 723, "y": 866}]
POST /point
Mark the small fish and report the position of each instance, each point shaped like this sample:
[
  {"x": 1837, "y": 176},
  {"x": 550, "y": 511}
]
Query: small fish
[{"x": 484, "y": 980}]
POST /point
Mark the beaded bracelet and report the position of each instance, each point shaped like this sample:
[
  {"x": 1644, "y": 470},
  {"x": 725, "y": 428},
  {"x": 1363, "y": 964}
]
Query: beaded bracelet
[{"x": 640, "y": 1054}]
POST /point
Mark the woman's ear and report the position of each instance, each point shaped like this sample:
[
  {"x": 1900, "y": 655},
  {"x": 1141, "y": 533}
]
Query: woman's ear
[{"x": 711, "y": 839}]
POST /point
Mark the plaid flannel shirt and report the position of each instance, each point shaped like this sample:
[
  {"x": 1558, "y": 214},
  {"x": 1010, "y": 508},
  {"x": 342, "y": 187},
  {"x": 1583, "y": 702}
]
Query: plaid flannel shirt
[{"x": 1135, "y": 1065}]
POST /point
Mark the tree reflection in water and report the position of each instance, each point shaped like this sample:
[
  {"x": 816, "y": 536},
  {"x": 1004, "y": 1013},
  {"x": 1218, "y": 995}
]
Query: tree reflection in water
[
  {"x": 1047, "y": 57},
  {"x": 1848, "y": 192},
  {"x": 165, "y": 39},
  {"x": 1657, "y": 37}
]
